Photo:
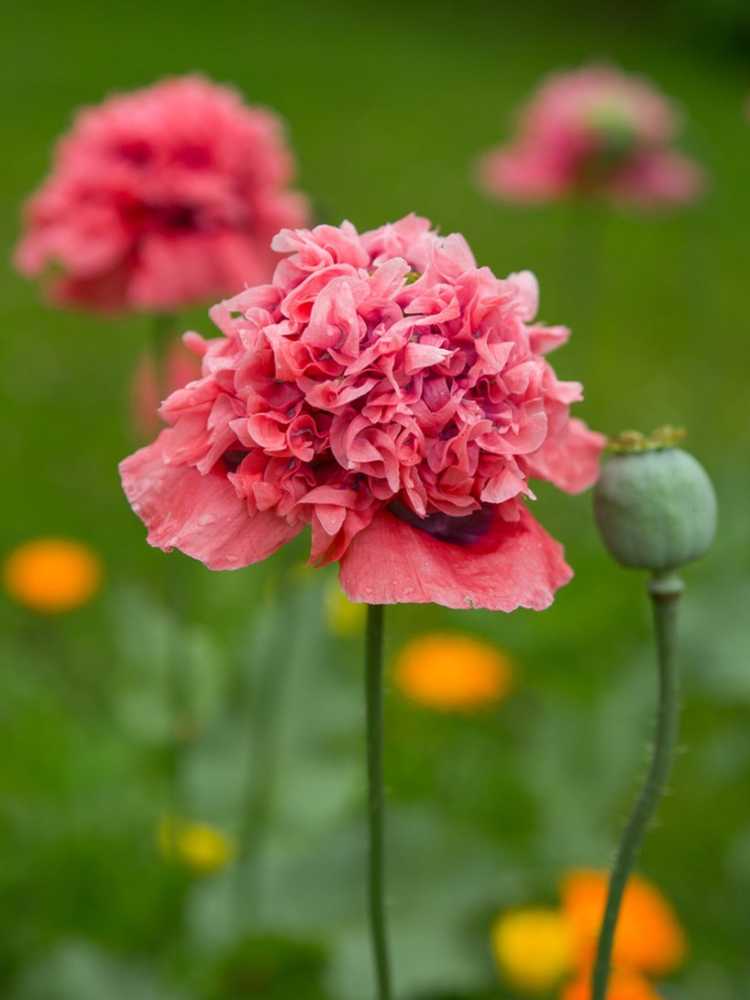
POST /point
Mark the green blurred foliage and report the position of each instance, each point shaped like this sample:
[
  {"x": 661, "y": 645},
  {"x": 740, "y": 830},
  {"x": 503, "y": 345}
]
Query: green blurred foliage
[{"x": 222, "y": 697}]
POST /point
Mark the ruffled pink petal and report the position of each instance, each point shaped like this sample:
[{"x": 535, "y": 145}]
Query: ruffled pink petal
[
  {"x": 569, "y": 459},
  {"x": 201, "y": 516},
  {"x": 517, "y": 564}
]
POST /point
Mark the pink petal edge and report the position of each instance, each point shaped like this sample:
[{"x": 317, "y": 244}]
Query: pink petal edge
[
  {"x": 391, "y": 562},
  {"x": 200, "y": 515},
  {"x": 569, "y": 460}
]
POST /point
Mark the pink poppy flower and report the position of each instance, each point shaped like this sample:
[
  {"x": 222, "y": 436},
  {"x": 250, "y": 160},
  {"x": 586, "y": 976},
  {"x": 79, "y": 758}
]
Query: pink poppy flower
[
  {"x": 389, "y": 393},
  {"x": 594, "y": 131},
  {"x": 161, "y": 198}
]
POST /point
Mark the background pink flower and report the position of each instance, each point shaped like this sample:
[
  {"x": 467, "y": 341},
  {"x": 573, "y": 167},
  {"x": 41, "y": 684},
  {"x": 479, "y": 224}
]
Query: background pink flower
[
  {"x": 394, "y": 396},
  {"x": 161, "y": 198},
  {"x": 594, "y": 131}
]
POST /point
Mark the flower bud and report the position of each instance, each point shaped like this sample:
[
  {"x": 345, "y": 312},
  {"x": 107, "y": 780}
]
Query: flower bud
[{"x": 654, "y": 504}]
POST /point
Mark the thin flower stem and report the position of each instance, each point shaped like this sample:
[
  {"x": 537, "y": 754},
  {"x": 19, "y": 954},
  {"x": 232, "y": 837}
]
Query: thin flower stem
[
  {"x": 375, "y": 812},
  {"x": 665, "y": 594}
]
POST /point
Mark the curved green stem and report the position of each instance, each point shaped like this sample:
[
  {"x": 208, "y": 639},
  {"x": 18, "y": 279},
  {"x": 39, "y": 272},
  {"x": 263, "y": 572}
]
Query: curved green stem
[
  {"x": 665, "y": 593},
  {"x": 375, "y": 812}
]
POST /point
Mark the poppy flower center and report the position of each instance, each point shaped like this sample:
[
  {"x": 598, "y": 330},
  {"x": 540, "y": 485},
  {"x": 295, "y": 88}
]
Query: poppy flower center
[{"x": 466, "y": 530}]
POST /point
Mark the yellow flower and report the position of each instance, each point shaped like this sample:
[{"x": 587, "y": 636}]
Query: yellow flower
[
  {"x": 452, "y": 672},
  {"x": 200, "y": 847},
  {"x": 533, "y": 948},
  {"x": 52, "y": 575},
  {"x": 344, "y": 618}
]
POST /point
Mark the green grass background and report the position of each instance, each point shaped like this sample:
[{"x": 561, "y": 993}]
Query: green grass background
[{"x": 388, "y": 106}]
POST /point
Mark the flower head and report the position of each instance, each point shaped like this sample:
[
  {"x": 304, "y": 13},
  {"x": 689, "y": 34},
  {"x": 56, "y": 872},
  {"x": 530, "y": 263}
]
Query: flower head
[
  {"x": 533, "y": 948},
  {"x": 202, "y": 848},
  {"x": 389, "y": 393},
  {"x": 649, "y": 938},
  {"x": 594, "y": 131},
  {"x": 52, "y": 575},
  {"x": 452, "y": 672},
  {"x": 160, "y": 198}
]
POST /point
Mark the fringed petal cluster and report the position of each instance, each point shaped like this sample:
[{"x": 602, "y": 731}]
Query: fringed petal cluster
[{"x": 389, "y": 393}]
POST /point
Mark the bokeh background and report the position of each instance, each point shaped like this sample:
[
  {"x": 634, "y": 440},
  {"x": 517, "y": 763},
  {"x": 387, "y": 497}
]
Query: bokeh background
[{"x": 234, "y": 699}]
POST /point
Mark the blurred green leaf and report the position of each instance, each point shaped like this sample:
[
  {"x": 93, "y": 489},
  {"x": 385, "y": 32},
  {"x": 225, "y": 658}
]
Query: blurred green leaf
[{"x": 76, "y": 971}]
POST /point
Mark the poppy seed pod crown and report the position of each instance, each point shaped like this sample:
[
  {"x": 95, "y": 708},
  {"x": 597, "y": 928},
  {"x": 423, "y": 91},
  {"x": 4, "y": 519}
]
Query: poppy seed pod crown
[{"x": 654, "y": 503}]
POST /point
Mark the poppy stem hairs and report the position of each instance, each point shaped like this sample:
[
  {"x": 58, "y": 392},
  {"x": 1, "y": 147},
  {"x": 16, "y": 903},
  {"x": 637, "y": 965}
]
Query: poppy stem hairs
[
  {"x": 376, "y": 808},
  {"x": 665, "y": 594},
  {"x": 655, "y": 508}
]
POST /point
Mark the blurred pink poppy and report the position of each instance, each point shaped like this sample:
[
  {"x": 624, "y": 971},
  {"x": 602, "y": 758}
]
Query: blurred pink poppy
[
  {"x": 594, "y": 131},
  {"x": 161, "y": 198}
]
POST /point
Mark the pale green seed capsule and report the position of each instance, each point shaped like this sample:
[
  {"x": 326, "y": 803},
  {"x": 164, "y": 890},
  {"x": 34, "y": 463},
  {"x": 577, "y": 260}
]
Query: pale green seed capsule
[{"x": 655, "y": 507}]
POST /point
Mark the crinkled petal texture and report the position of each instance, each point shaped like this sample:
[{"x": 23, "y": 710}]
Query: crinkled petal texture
[
  {"x": 389, "y": 393},
  {"x": 161, "y": 198},
  {"x": 516, "y": 565},
  {"x": 203, "y": 516},
  {"x": 594, "y": 131}
]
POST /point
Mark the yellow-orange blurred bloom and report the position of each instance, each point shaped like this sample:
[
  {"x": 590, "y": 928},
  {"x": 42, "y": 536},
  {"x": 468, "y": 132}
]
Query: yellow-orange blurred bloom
[
  {"x": 648, "y": 938},
  {"x": 200, "y": 847},
  {"x": 452, "y": 672},
  {"x": 52, "y": 575},
  {"x": 344, "y": 618},
  {"x": 622, "y": 986},
  {"x": 533, "y": 948}
]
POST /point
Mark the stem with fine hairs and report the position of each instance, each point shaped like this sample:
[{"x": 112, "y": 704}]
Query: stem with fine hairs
[{"x": 665, "y": 591}]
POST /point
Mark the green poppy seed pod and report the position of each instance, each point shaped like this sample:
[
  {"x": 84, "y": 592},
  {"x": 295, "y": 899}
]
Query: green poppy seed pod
[{"x": 655, "y": 506}]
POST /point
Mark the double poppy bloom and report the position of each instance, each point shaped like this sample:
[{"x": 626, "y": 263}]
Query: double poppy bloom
[
  {"x": 160, "y": 198},
  {"x": 594, "y": 131},
  {"x": 390, "y": 394}
]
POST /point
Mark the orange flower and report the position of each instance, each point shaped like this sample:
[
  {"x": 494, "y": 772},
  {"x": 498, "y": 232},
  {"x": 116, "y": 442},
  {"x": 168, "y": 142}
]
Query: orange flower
[
  {"x": 452, "y": 672},
  {"x": 51, "y": 575},
  {"x": 648, "y": 938},
  {"x": 622, "y": 986}
]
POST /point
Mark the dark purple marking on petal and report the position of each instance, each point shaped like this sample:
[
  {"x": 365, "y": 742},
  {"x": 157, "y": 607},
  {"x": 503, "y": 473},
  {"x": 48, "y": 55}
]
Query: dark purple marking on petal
[{"x": 466, "y": 530}]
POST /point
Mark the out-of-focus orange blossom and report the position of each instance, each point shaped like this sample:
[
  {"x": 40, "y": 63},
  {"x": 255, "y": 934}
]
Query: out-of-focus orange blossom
[
  {"x": 622, "y": 986},
  {"x": 648, "y": 938},
  {"x": 52, "y": 575},
  {"x": 452, "y": 672}
]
